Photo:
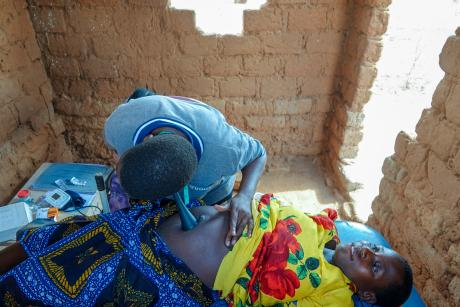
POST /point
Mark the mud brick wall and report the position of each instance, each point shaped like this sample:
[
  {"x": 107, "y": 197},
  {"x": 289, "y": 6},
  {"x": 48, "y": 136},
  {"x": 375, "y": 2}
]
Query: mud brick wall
[
  {"x": 356, "y": 74},
  {"x": 30, "y": 132},
  {"x": 276, "y": 81},
  {"x": 418, "y": 207}
]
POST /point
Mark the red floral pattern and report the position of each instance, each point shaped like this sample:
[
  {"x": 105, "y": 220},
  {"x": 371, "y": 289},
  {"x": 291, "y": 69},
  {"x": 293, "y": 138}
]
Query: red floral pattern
[
  {"x": 326, "y": 221},
  {"x": 279, "y": 282},
  {"x": 269, "y": 261}
]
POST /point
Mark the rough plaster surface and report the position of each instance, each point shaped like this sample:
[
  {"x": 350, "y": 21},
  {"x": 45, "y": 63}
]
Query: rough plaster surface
[
  {"x": 418, "y": 208},
  {"x": 30, "y": 132},
  {"x": 276, "y": 81}
]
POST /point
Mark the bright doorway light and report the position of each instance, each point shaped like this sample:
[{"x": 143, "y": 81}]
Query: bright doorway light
[
  {"x": 218, "y": 16},
  {"x": 408, "y": 73}
]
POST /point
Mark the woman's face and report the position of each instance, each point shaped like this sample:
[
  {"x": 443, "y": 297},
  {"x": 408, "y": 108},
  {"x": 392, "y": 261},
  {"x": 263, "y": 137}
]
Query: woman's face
[{"x": 369, "y": 266}]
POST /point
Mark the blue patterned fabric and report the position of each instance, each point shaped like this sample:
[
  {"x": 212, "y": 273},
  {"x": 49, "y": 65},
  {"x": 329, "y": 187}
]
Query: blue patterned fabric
[{"x": 115, "y": 258}]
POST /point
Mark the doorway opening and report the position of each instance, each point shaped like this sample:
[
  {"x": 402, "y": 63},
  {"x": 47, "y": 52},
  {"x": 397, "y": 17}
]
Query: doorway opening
[{"x": 408, "y": 73}]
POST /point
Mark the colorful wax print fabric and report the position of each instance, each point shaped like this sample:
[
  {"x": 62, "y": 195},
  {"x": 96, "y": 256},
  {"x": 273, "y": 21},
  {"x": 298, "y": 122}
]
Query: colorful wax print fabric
[
  {"x": 283, "y": 263},
  {"x": 115, "y": 259}
]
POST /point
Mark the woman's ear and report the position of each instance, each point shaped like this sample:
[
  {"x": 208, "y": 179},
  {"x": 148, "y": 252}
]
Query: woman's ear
[{"x": 367, "y": 296}]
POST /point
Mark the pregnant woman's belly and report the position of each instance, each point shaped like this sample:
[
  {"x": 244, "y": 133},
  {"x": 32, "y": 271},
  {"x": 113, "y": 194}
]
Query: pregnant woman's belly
[{"x": 201, "y": 248}]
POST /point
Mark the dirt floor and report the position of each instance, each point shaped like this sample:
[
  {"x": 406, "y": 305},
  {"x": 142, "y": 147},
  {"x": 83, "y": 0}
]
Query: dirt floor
[{"x": 304, "y": 189}]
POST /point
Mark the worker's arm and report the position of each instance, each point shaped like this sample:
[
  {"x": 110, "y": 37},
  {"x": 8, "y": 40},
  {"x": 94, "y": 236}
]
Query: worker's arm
[
  {"x": 11, "y": 256},
  {"x": 240, "y": 205}
]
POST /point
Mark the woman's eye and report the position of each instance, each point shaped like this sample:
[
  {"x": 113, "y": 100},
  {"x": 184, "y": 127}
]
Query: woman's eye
[
  {"x": 375, "y": 248},
  {"x": 375, "y": 267}
]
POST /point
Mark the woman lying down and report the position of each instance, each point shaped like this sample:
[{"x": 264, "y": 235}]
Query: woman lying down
[{"x": 141, "y": 257}]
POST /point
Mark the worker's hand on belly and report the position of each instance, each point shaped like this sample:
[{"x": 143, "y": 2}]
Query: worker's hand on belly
[{"x": 239, "y": 208}]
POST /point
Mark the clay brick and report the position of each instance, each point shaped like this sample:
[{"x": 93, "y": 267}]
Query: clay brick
[
  {"x": 63, "y": 67},
  {"x": 266, "y": 122},
  {"x": 236, "y": 45},
  {"x": 9, "y": 87},
  {"x": 366, "y": 76},
  {"x": 286, "y": 1},
  {"x": 76, "y": 45},
  {"x": 371, "y": 21},
  {"x": 198, "y": 45},
  {"x": 449, "y": 60},
  {"x": 9, "y": 121},
  {"x": 55, "y": 3},
  {"x": 139, "y": 68},
  {"x": 296, "y": 106},
  {"x": 56, "y": 44},
  {"x": 149, "y": 3},
  {"x": 49, "y": 20},
  {"x": 219, "y": 104},
  {"x": 3, "y": 38},
  {"x": 162, "y": 45},
  {"x": 198, "y": 86},
  {"x": 307, "y": 19},
  {"x": 181, "y": 21},
  {"x": 401, "y": 143},
  {"x": 90, "y": 20},
  {"x": 14, "y": 59},
  {"x": 322, "y": 104},
  {"x": 249, "y": 106},
  {"x": 278, "y": 87},
  {"x": 46, "y": 91},
  {"x": 261, "y": 65},
  {"x": 374, "y": 3},
  {"x": 316, "y": 86},
  {"x": 134, "y": 22},
  {"x": 80, "y": 89},
  {"x": 107, "y": 46},
  {"x": 183, "y": 66},
  {"x": 237, "y": 86},
  {"x": 445, "y": 184},
  {"x": 325, "y": 42},
  {"x": 263, "y": 20},
  {"x": 282, "y": 43},
  {"x": 223, "y": 66},
  {"x": 28, "y": 107},
  {"x": 338, "y": 16},
  {"x": 454, "y": 289},
  {"x": 352, "y": 136},
  {"x": 95, "y": 68},
  {"x": 303, "y": 65}
]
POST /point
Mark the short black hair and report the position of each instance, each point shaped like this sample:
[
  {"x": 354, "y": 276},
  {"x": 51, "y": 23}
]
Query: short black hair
[
  {"x": 397, "y": 294},
  {"x": 158, "y": 167}
]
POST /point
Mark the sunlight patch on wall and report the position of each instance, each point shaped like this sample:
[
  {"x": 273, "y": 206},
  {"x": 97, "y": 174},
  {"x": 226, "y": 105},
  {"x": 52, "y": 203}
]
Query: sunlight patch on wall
[{"x": 218, "y": 16}]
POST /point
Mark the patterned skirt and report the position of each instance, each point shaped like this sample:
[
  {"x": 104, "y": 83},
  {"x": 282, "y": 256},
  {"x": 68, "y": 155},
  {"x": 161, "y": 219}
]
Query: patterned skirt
[{"x": 114, "y": 259}]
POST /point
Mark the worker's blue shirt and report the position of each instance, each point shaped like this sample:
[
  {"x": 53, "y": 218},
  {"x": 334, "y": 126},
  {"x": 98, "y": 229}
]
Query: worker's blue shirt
[{"x": 222, "y": 149}]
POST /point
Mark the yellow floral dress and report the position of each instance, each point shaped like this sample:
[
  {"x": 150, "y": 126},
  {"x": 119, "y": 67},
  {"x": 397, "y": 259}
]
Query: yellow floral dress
[{"x": 283, "y": 263}]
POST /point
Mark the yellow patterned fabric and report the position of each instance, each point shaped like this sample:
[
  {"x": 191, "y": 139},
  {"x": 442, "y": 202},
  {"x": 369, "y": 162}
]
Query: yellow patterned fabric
[{"x": 283, "y": 263}]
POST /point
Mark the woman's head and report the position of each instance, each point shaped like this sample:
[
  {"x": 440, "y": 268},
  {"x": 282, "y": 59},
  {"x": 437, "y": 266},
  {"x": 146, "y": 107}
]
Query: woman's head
[
  {"x": 158, "y": 167},
  {"x": 380, "y": 274}
]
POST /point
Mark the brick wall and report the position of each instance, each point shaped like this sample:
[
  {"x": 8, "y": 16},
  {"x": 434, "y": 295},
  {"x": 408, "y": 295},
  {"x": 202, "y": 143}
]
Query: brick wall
[
  {"x": 30, "y": 132},
  {"x": 417, "y": 208},
  {"x": 275, "y": 82},
  {"x": 356, "y": 74}
]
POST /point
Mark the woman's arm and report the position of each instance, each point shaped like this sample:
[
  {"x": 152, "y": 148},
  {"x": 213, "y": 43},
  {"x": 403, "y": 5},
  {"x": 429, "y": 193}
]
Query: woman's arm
[{"x": 11, "y": 256}]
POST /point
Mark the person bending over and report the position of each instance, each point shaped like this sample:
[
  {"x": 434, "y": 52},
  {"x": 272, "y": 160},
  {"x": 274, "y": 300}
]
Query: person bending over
[
  {"x": 221, "y": 149},
  {"x": 141, "y": 256}
]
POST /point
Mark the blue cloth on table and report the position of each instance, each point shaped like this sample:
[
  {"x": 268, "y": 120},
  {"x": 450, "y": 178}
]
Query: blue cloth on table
[
  {"x": 115, "y": 258},
  {"x": 349, "y": 232}
]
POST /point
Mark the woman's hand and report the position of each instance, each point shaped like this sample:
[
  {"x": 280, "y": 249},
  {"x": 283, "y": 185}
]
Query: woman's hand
[{"x": 239, "y": 208}]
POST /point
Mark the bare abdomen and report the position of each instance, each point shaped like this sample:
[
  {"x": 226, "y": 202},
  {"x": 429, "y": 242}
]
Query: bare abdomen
[{"x": 201, "y": 248}]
